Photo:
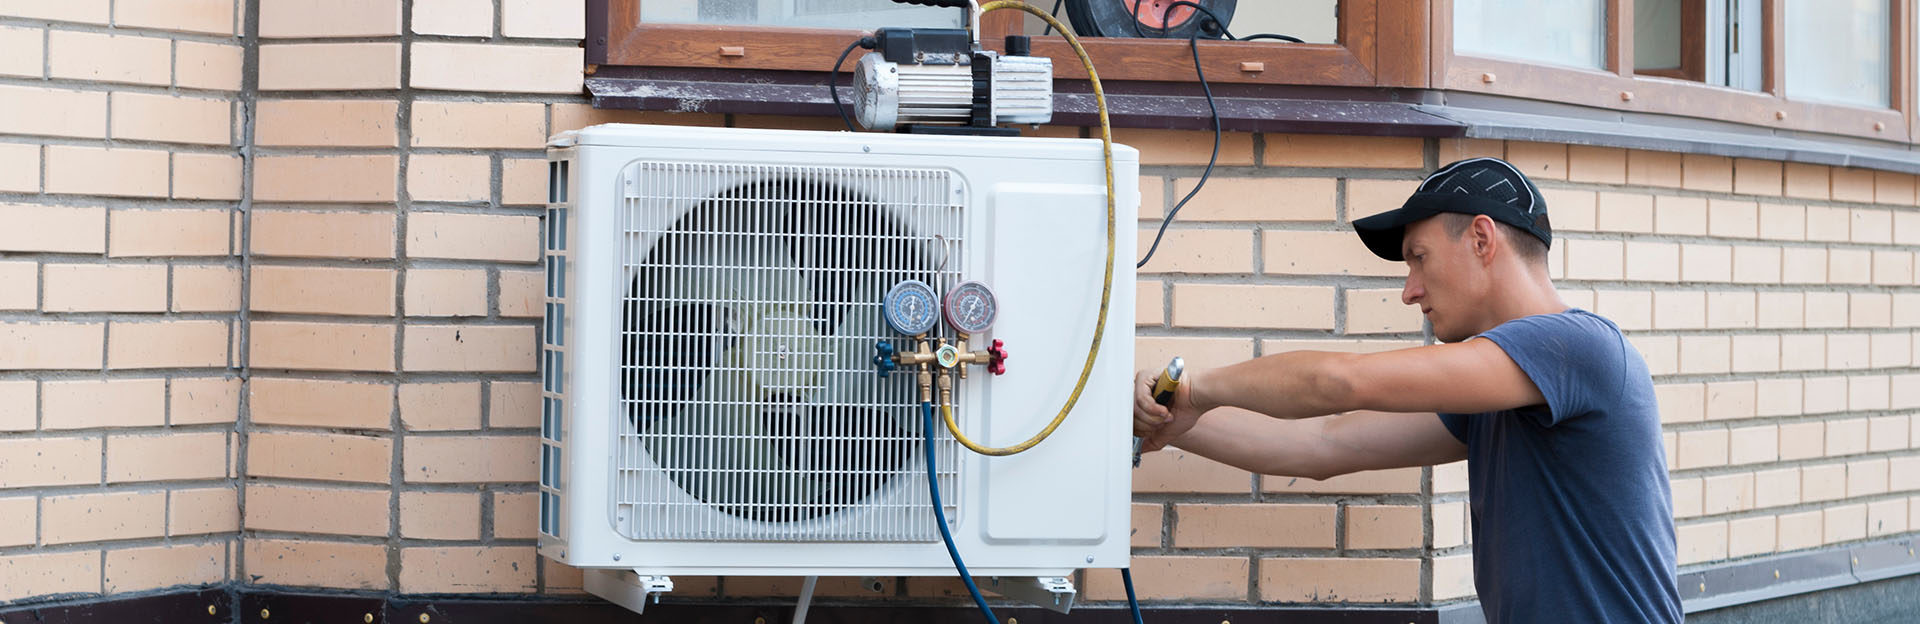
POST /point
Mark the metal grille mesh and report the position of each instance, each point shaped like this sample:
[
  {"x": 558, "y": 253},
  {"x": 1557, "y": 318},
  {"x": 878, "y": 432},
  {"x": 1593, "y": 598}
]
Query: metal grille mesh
[{"x": 751, "y": 410}]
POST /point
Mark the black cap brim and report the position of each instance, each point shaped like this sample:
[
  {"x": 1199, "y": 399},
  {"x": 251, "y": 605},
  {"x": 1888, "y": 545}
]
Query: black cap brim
[{"x": 1384, "y": 232}]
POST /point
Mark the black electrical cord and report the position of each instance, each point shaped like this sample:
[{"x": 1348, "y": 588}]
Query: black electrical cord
[
  {"x": 1193, "y": 41},
  {"x": 833, "y": 77},
  {"x": 1056, "y": 13}
]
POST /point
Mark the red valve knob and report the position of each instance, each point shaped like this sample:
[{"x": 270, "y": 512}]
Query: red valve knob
[{"x": 997, "y": 358}]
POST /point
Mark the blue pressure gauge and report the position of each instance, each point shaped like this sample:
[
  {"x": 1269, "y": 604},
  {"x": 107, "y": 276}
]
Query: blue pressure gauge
[{"x": 911, "y": 308}]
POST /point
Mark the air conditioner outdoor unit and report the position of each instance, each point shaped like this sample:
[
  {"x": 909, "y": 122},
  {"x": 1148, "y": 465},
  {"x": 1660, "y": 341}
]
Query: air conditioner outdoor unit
[{"x": 711, "y": 402}]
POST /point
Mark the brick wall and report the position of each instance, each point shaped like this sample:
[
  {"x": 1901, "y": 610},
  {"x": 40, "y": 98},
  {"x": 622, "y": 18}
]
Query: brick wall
[
  {"x": 120, "y": 175},
  {"x": 394, "y": 181}
]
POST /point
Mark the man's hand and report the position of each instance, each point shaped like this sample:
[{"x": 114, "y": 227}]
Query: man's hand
[{"x": 1159, "y": 425}]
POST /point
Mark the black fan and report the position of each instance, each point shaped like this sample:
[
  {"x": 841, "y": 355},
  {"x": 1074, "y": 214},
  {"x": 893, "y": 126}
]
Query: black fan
[{"x": 1158, "y": 19}]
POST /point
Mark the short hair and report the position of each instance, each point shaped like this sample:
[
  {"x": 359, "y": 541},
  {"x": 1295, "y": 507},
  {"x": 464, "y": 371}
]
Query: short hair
[{"x": 1528, "y": 247}]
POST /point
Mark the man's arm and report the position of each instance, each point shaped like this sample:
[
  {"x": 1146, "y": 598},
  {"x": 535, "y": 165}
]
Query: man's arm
[{"x": 1318, "y": 448}]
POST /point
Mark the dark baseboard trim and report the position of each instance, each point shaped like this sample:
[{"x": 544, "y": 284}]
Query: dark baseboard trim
[{"x": 1766, "y": 578}]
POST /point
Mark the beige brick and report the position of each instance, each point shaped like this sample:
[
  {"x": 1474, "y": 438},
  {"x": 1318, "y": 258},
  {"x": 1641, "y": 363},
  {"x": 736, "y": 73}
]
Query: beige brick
[
  {"x": 1679, "y": 309},
  {"x": 522, "y": 295},
  {"x": 19, "y": 402},
  {"x": 473, "y": 237},
  {"x": 214, "y": 17},
  {"x": 514, "y": 513},
  {"x": 329, "y": 66},
  {"x": 53, "y": 112},
  {"x": 1872, "y": 226},
  {"x": 1826, "y": 395},
  {"x": 1630, "y": 309},
  {"x": 319, "y": 456},
  {"x": 1891, "y": 350},
  {"x": 1826, "y": 309},
  {"x": 1731, "y": 310},
  {"x": 1776, "y": 488},
  {"x": 1886, "y": 517},
  {"x": 91, "y": 404},
  {"x": 166, "y": 457},
  {"x": 469, "y": 348},
  {"x": 335, "y": 511},
  {"x": 1221, "y": 305},
  {"x": 446, "y": 292},
  {"x": 321, "y": 346},
  {"x": 108, "y": 58},
  {"x": 449, "y": 178},
  {"x": 440, "y": 406},
  {"x": 496, "y": 67},
  {"x": 1573, "y": 211},
  {"x": 1174, "y": 470},
  {"x": 1751, "y": 445},
  {"x": 574, "y": 116},
  {"x": 1603, "y": 165},
  {"x": 1733, "y": 218},
  {"x": 1848, "y": 351},
  {"x": 440, "y": 515},
  {"x": 23, "y": 510},
  {"x": 1866, "y": 478},
  {"x": 206, "y": 289},
  {"x": 1802, "y": 440},
  {"x": 1706, "y": 172},
  {"x": 472, "y": 459},
  {"x": 1892, "y": 268},
  {"x": 1756, "y": 354},
  {"x": 19, "y": 163},
  {"x": 1800, "y": 530},
  {"x": 135, "y": 569},
  {"x": 1706, "y": 354},
  {"x": 51, "y": 345},
  {"x": 1594, "y": 259},
  {"x": 1645, "y": 168},
  {"x": 206, "y": 176},
  {"x": 315, "y": 563},
  {"x": 1757, "y": 177},
  {"x": 545, "y": 19},
  {"x": 85, "y": 11},
  {"x": 98, "y": 517},
  {"x": 171, "y": 119},
  {"x": 323, "y": 290},
  {"x": 208, "y": 65},
  {"x": 203, "y": 510},
  {"x": 28, "y": 575},
  {"x": 460, "y": 18},
  {"x": 1756, "y": 265},
  {"x": 19, "y": 285},
  {"x": 1662, "y": 353},
  {"x": 1807, "y": 181},
  {"x": 1384, "y": 526},
  {"x": 1849, "y": 266},
  {"x": 1623, "y": 212},
  {"x": 366, "y": 179},
  {"x": 1906, "y": 227},
  {"x": 1866, "y": 393},
  {"x": 329, "y": 18},
  {"x": 1323, "y": 253},
  {"x": 1309, "y": 199},
  {"x": 1174, "y": 578},
  {"x": 513, "y": 404},
  {"x": 1706, "y": 263},
  {"x": 1276, "y": 346},
  {"x": 1325, "y": 150},
  {"x": 1680, "y": 215},
  {"x": 1823, "y": 483},
  {"x": 323, "y": 234},
  {"x": 1887, "y": 433},
  {"x": 342, "y": 123},
  {"x": 1829, "y": 224},
  {"x": 105, "y": 288},
  {"x": 1906, "y": 395},
  {"x": 74, "y": 170},
  {"x": 523, "y": 181},
  {"x": 1751, "y": 536},
  {"x": 481, "y": 124},
  {"x": 1681, "y": 402},
  {"x": 320, "y": 403},
  {"x": 1893, "y": 188},
  {"x": 32, "y": 462},
  {"x": 1783, "y": 221},
  {"x": 169, "y": 232},
  {"x": 1699, "y": 449},
  {"x": 1380, "y": 311},
  {"x": 1391, "y": 481},
  {"x": 1727, "y": 493},
  {"x": 203, "y": 400},
  {"x": 463, "y": 569},
  {"x": 1653, "y": 262},
  {"x": 1853, "y": 185},
  {"x": 1257, "y": 525},
  {"x": 1319, "y": 580},
  {"x": 1702, "y": 542},
  {"x": 1200, "y": 251},
  {"x": 1540, "y": 161},
  {"x": 168, "y": 344},
  {"x": 1804, "y": 265},
  {"x": 1453, "y": 577},
  {"x": 1779, "y": 397},
  {"x": 1845, "y": 523},
  {"x": 1906, "y": 310}
]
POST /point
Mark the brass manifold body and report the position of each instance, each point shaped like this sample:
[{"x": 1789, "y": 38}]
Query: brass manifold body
[{"x": 929, "y": 353}]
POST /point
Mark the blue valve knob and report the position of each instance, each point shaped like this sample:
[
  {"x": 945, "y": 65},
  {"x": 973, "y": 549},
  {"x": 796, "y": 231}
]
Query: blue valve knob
[{"x": 883, "y": 363}]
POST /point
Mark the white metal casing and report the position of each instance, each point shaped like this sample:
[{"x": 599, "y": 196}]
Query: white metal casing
[{"x": 1034, "y": 212}]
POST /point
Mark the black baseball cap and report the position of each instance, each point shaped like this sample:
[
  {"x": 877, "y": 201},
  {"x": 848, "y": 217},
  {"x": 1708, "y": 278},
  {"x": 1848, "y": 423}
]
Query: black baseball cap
[{"x": 1476, "y": 186}]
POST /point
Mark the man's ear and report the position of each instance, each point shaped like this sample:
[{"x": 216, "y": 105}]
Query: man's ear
[{"x": 1485, "y": 236}]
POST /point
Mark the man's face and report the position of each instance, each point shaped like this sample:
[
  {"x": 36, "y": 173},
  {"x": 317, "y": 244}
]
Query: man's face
[{"x": 1445, "y": 278}]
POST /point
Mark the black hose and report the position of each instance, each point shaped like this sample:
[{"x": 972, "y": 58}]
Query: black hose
[{"x": 833, "y": 77}]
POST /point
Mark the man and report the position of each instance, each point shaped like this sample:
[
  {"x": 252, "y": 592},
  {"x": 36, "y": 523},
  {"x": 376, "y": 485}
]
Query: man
[{"x": 1551, "y": 407}]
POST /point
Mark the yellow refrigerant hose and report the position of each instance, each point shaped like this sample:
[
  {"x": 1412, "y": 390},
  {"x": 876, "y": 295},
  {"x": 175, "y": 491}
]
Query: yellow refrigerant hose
[{"x": 1106, "y": 286}]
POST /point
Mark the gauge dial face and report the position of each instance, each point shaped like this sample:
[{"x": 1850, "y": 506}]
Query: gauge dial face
[
  {"x": 911, "y": 308},
  {"x": 970, "y": 308}
]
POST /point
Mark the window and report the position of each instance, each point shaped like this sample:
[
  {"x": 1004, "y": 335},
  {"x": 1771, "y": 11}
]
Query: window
[
  {"x": 1718, "y": 42},
  {"x": 1565, "y": 32},
  {"x": 1838, "y": 50},
  {"x": 840, "y": 14}
]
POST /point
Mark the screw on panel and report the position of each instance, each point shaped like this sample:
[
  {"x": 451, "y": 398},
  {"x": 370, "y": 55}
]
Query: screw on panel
[
  {"x": 424, "y": 618},
  {"x": 616, "y": 556},
  {"x": 368, "y": 618},
  {"x": 211, "y": 610},
  {"x": 866, "y": 148},
  {"x": 1089, "y": 558},
  {"x": 264, "y": 614}
]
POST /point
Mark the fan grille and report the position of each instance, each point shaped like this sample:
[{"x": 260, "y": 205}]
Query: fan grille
[{"x": 751, "y": 305}]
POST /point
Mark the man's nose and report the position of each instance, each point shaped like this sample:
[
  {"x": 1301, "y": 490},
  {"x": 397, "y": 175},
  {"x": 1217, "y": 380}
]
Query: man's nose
[{"x": 1412, "y": 292}]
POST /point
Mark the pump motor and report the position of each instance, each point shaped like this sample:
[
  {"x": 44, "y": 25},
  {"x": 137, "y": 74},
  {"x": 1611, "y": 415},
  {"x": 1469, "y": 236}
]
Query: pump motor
[{"x": 941, "y": 77}]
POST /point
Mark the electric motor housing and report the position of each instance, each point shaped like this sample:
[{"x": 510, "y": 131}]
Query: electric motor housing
[{"x": 934, "y": 77}]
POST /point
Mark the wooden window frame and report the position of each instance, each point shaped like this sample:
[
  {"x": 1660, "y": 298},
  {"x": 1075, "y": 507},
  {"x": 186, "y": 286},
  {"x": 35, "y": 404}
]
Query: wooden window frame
[
  {"x": 1618, "y": 87},
  {"x": 1380, "y": 43}
]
